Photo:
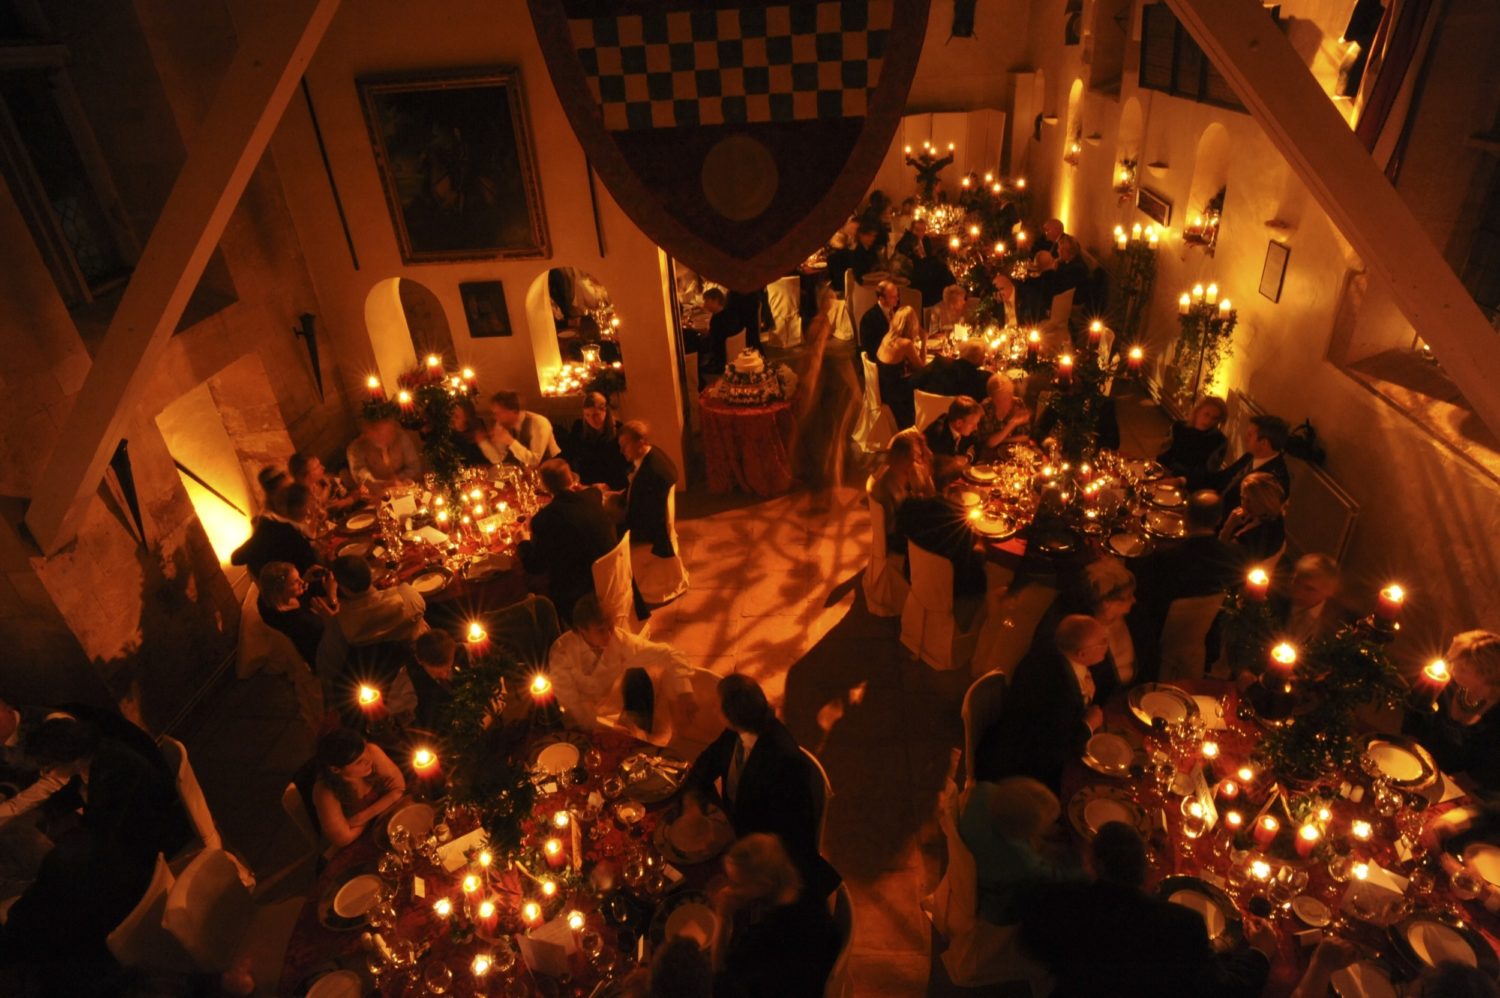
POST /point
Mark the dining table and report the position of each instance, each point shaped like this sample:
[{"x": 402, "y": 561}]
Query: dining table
[
  {"x": 745, "y": 446},
  {"x": 1226, "y": 836},
  {"x": 419, "y": 905}
]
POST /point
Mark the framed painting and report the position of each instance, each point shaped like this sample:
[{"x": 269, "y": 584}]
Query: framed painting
[
  {"x": 484, "y": 308},
  {"x": 1154, "y": 206},
  {"x": 1273, "y": 274},
  {"x": 454, "y": 156}
]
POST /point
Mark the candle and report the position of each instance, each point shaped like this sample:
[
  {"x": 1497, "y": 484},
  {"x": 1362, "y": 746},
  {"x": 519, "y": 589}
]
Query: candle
[
  {"x": 1246, "y": 775},
  {"x": 995, "y": 187},
  {"x": 541, "y": 687},
  {"x": 1324, "y": 815},
  {"x": 553, "y": 850},
  {"x": 369, "y": 699},
  {"x": 988, "y": 177},
  {"x": 1361, "y": 830},
  {"x": 549, "y": 887},
  {"x": 1212, "y": 295},
  {"x": 434, "y": 362},
  {"x": 1234, "y": 821},
  {"x": 1096, "y": 332},
  {"x": 1197, "y": 292},
  {"x": 485, "y": 858},
  {"x": 424, "y": 762},
  {"x": 470, "y": 883},
  {"x": 1433, "y": 681},
  {"x": 1256, "y": 585},
  {"x": 1224, "y": 309},
  {"x": 1227, "y": 791},
  {"x": 1308, "y": 837},
  {"x": 1021, "y": 237},
  {"x": 1065, "y": 369},
  {"x": 1133, "y": 360},
  {"x": 442, "y": 907},
  {"x": 1119, "y": 240},
  {"x": 486, "y": 914},
  {"x": 908, "y": 152},
  {"x": 950, "y": 146},
  {"x": 1184, "y": 304},
  {"x": 1020, "y": 183},
  {"x": 1388, "y": 609},
  {"x": 403, "y": 399},
  {"x": 481, "y": 965},
  {"x": 1266, "y": 829},
  {"x": 964, "y": 182},
  {"x": 441, "y": 517},
  {"x": 1152, "y": 237},
  {"x": 1033, "y": 345},
  {"x": 999, "y": 249},
  {"x": 1210, "y": 751},
  {"x": 561, "y": 819},
  {"x": 575, "y": 920},
  {"x": 531, "y": 913},
  {"x": 1361, "y": 871},
  {"x": 1259, "y": 868},
  {"x": 973, "y": 232},
  {"x": 954, "y": 243},
  {"x": 1283, "y": 660},
  {"x": 373, "y": 384},
  {"x": 468, "y": 374}
]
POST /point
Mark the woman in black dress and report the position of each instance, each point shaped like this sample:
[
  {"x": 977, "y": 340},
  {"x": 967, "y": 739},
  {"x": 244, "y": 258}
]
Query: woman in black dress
[
  {"x": 1195, "y": 446},
  {"x": 592, "y": 449}
]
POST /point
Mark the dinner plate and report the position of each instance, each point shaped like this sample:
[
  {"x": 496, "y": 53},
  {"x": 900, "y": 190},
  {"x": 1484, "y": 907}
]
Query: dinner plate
[
  {"x": 338, "y": 984},
  {"x": 1220, "y": 916},
  {"x": 1108, "y": 753},
  {"x": 1142, "y": 469},
  {"x": 1165, "y": 523},
  {"x": 1165, "y": 496},
  {"x": 968, "y": 498},
  {"x": 357, "y": 896},
  {"x": 1404, "y": 762},
  {"x": 417, "y": 819},
  {"x": 355, "y": 549},
  {"x": 1150, "y": 701},
  {"x": 695, "y": 921},
  {"x": 691, "y": 839},
  {"x": 433, "y": 580},
  {"x": 1128, "y": 544},
  {"x": 658, "y": 782},
  {"x": 981, "y": 473},
  {"x": 663, "y": 923},
  {"x": 360, "y": 521},
  {"x": 1310, "y": 911},
  {"x": 1094, "y": 807},
  {"x": 1363, "y": 979},
  {"x": 1484, "y": 859},
  {"x": 558, "y": 757},
  {"x": 1428, "y": 938},
  {"x": 994, "y": 526}
]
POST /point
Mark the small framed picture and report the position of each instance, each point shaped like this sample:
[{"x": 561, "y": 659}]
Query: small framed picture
[
  {"x": 1154, "y": 206},
  {"x": 484, "y": 308},
  {"x": 1273, "y": 274}
]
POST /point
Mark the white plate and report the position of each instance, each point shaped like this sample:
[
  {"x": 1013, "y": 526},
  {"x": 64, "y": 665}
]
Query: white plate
[
  {"x": 1127, "y": 545},
  {"x": 339, "y": 984},
  {"x": 1435, "y": 943},
  {"x": 357, "y": 896},
  {"x": 968, "y": 498},
  {"x": 360, "y": 521},
  {"x": 1311, "y": 911},
  {"x": 994, "y": 527},
  {"x": 1397, "y": 762},
  {"x": 980, "y": 473},
  {"x": 1165, "y": 523},
  {"x": 1168, "y": 706},
  {"x": 1110, "y": 751},
  {"x": 430, "y": 582},
  {"x": 1362, "y": 980},
  {"x": 558, "y": 757},
  {"x": 1213, "y": 918},
  {"x": 1165, "y": 495},
  {"x": 355, "y": 549},
  {"x": 695, "y": 921},
  {"x": 1484, "y": 859},
  {"x": 1102, "y": 810},
  {"x": 417, "y": 819}
]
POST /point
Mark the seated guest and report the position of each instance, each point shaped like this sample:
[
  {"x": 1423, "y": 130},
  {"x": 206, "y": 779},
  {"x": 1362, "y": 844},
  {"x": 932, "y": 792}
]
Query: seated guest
[
  {"x": 865, "y": 256},
  {"x": 356, "y": 783},
  {"x": 271, "y": 480},
  {"x": 897, "y": 358},
  {"x": 589, "y": 667},
  {"x": 1196, "y": 445},
  {"x": 1071, "y": 272},
  {"x": 950, "y": 311},
  {"x": 876, "y": 321},
  {"x": 1050, "y": 710},
  {"x": 906, "y": 471},
  {"x": 287, "y": 604},
  {"x": 939, "y": 524},
  {"x": 278, "y": 534},
  {"x": 1050, "y": 239},
  {"x": 1255, "y": 527},
  {"x": 365, "y": 614},
  {"x": 593, "y": 448},
  {"x": 432, "y": 680},
  {"x": 1198, "y": 565},
  {"x": 28, "y": 785},
  {"x": 520, "y": 437},
  {"x": 568, "y": 535},
  {"x": 1002, "y": 824},
  {"x": 1105, "y": 591},
  {"x": 383, "y": 455},
  {"x": 765, "y": 782},
  {"x": 1306, "y": 612},
  {"x": 370, "y": 641},
  {"x": 469, "y": 435},
  {"x": 962, "y": 375},
  {"x": 652, "y": 478},
  {"x": 1463, "y": 734},
  {"x": 1265, "y": 439},
  {"x": 773, "y": 936},
  {"x": 680, "y": 968},
  {"x": 1008, "y": 314},
  {"x": 1003, "y": 418},
  {"x": 953, "y": 433},
  {"x": 1112, "y": 938},
  {"x": 328, "y": 493},
  {"x": 1035, "y": 293}
]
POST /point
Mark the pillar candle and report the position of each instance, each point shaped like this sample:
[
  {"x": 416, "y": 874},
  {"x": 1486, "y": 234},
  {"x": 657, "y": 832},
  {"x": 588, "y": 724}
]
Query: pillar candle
[
  {"x": 376, "y": 390},
  {"x": 1256, "y": 585},
  {"x": 1266, "y": 830},
  {"x": 1065, "y": 369},
  {"x": 1197, "y": 292},
  {"x": 1096, "y": 332},
  {"x": 371, "y": 703},
  {"x": 1184, "y": 304},
  {"x": 1133, "y": 360},
  {"x": 424, "y": 763},
  {"x": 1212, "y": 294},
  {"x": 553, "y": 850},
  {"x": 1388, "y": 608},
  {"x": 1308, "y": 837}
]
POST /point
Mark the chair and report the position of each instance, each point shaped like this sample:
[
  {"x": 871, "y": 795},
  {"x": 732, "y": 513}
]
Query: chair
[
  {"x": 1062, "y": 309},
  {"x": 139, "y": 940},
  {"x": 526, "y": 629},
  {"x": 822, "y": 808},
  {"x": 930, "y": 407},
  {"x": 929, "y": 628},
  {"x": 208, "y": 910},
  {"x": 294, "y": 804},
  {"x": 848, "y": 286},
  {"x": 261, "y": 646},
  {"x": 981, "y": 709},
  {"x": 785, "y": 296},
  {"x": 843, "y": 325},
  {"x": 694, "y": 389},
  {"x": 877, "y": 423},
  {"x": 613, "y": 585},
  {"x": 1184, "y": 636},
  {"x": 734, "y": 346},
  {"x": 885, "y": 585},
  {"x": 860, "y": 299},
  {"x": 197, "y": 807},
  {"x": 661, "y": 580},
  {"x": 840, "y": 980},
  {"x": 911, "y": 298}
]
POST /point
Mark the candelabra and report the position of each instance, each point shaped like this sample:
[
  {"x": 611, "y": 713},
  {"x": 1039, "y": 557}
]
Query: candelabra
[
  {"x": 1207, "y": 323},
  {"x": 1137, "y": 254}
]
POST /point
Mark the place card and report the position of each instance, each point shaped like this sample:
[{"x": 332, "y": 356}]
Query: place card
[
  {"x": 431, "y": 535},
  {"x": 455, "y": 854},
  {"x": 404, "y": 505},
  {"x": 546, "y": 949},
  {"x": 418, "y": 887},
  {"x": 671, "y": 872}
]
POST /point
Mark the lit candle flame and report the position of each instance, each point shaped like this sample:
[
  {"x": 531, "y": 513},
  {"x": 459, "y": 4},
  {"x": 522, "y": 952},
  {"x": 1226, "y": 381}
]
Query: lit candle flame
[
  {"x": 1309, "y": 833},
  {"x": 1284, "y": 654},
  {"x": 575, "y": 920},
  {"x": 540, "y": 685},
  {"x": 486, "y": 858},
  {"x": 433, "y": 360},
  {"x": 1246, "y": 774},
  {"x": 471, "y": 883},
  {"x": 1361, "y": 871},
  {"x": 443, "y": 907},
  {"x": 1260, "y": 870},
  {"x": 561, "y": 819},
  {"x": 369, "y": 696},
  {"x": 423, "y": 759},
  {"x": 481, "y": 965},
  {"x": 549, "y": 888},
  {"x": 1437, "y": 671},
  {"x": 1210, "y": 750},
  {"x": 1258, "y": 577},
  {"x": 1361, "y": 830},
  {"x": 476, "y": 631},
  {"x": 486, "y": 909},
  {"x": 531, "y": 912}
]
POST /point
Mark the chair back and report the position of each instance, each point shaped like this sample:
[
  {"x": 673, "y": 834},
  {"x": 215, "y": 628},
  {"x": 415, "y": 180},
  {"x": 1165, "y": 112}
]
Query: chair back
[
  {"x": 911, "y": 298},
  {"x": 705, "y": 725},
  {"x": 840, "y": 980},
  {"x": 931, "y": 579},
  {"x": 843, "y": 324},
  {"x": 930, "y": 407},
  {"x": 860, "y": 299},
  {"x": 825, "y": 787},
  {"x": 953, "y": 906},
  {"x": 612, "y": 580},
  {"x": 208, "y": 910},
  {"x": 139, "y": 940},
  {"x": 1184, "y": 636},
  {"x": 981, "y": 709},
  {"x": 878, "y": 529},
  {"x": 873, "y": 401},
  {"x": 661, "y": 580},
  {"x": 885, "y": 586},
  {"x": 785, "y": 297},
  {"x": 526, "y": 629},
  {"x": 847, "y": 286},
  {"x": 191, "y": 793},
  {"x": 261, "y": 646},
  {"x": 1062, "y": 308},
  {"x": 734, "y": 346},
  {"x": 301, "y": 816}
]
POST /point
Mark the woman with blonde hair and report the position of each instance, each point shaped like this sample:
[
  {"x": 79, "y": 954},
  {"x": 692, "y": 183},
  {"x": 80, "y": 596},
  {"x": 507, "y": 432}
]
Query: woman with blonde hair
[
  {"x": 771, "y": 938},
  {"x": 1196, "y": 444},
  {"x": 897, "y": 359},
  {"x": 1463, "y": 732},
  {"x": 906, "y": 471},
  {"x": 951, "y": 310},
  {"x": 1003, "y": 824},
  {"x": 1255, "y": 527},
  {"x": 1004, "y": 418}
]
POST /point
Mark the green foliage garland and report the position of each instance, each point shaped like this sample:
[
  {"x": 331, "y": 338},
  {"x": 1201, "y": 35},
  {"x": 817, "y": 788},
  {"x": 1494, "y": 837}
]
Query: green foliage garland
[
  {"x": 1204, "y": 333},
  {"x": 486, "y": 762}
]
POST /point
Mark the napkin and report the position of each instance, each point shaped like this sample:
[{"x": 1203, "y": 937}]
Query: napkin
[
  {"x": 404, "y": 505},
  {"x": 490, "y": 564},
  {"x": 1211, "y": 713},
  {"x": 546, "y": 949},
  {"x": 432, "y": 535},
  {"x": 454, "y": 855}
]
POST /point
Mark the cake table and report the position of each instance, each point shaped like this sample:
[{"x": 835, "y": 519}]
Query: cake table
[{"x": 744, "y": 446}]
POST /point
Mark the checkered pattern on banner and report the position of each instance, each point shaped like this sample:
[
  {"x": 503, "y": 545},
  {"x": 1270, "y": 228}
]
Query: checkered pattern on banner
[{"x": 756, "y": 64}]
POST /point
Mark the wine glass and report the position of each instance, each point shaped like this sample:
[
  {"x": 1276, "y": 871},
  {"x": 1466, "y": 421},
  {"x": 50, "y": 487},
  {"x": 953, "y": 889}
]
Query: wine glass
[
  {"x": 592, "y": 943},
  {"x": 1466, "y": 886},
  {"x": 504, "y": 957},
  {"x": 437, "y": 978},
  {"x": 377, "y": 964}
]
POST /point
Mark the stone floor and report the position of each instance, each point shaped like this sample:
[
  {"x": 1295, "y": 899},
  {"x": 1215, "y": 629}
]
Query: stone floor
[{"x": 774, "y": 595}]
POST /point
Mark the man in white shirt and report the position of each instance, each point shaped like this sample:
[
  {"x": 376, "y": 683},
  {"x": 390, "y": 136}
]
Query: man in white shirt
[
  {"x": 1307, "y": 615},
  {"x": 15, "y": 768},
  {"x": 383, "y": 455},
  {"x": 588, "y": 669},
  {"x": 521, "y": 437}
]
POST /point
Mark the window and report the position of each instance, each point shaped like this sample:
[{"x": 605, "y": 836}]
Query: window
[{"x": 1173, "y": 63}]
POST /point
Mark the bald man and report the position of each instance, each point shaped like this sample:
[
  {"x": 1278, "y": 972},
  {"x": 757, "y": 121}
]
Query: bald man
[{"x": 1049, "y": 710}]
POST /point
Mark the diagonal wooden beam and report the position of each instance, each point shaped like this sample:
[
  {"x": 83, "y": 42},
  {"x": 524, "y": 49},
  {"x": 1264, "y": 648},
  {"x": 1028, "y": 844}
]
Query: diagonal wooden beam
[
  {"x": 272, "y": 56},
  {"x": 1242, "y": 41}
]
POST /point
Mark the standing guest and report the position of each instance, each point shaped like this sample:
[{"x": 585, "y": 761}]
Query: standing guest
[
  {"x": 1050, "y": 710},
  {"x": 827, "y": 404},
  {"x": 865, "y": 256},
  {"x": 1003, "y": 419},
  {"x": 432, "y": 680},
  {"x": 722, "y": 324},
  {"x": 1112, "y": 938},
  {"x": 589, "y": 666},
  {"x": 929, "y": 270},
  {"x": 1196, "y": 444},
  {"x": 652, "y": 478},
  {"x": 876, "y": 321},
  {"x": 1009, "y": 315},
  {"x": 520, "y": 437},
  {"x": 962, "y": 375},
  {"x": 764, "y": 780},
  {"x": 953, "y": 434},
  {"x": 469, "y": 435},
  {"x": 773, "y": 938},
  {"x": 1255, "y": 527},
  {"x": 568, "y": 535},
  {"x": 905, "y": 472},
  {"x": 897, "y": 358},
  {"x": 1463, "y": 733},
  {"x": 1199, "y": 565},
  {"x": 840, "y": 253},
  {"x": 383, "y": 455},
  {"x": 278, "y": 534},
  {"x": 1265, "y": 440},
  {"x": 1003, "y": 824},
  {"x": 592, "y": 447},
  {"x": 1306, "y": 612},
  {"x": 356, "y": 783},
  {"x": 287, "y": 604},
  {"x": 329, "y": 496},
  {"x": 1050, "y": 239},
  {"x": 940, "y": 525}
]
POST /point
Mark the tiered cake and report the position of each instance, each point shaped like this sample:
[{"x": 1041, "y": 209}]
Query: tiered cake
[{"x": 748, "y": 381}]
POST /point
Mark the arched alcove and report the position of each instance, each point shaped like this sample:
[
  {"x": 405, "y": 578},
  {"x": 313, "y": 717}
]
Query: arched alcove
[
  {"x": 1210, "y": 171},
  {"x": 1132, "y": 131},
  {"x": 574, "y": 330},
  {"x": 1073, "y": 134},
  {"x": 405, "y": 320},
  {"x": 426, "y": 322}
]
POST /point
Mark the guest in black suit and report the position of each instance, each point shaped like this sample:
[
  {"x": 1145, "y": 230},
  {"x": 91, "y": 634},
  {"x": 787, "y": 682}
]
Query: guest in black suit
[
  {"x": 751, "y": 311},
  {"x": 963, "y": 375},
  {"x": 1006, "y": 302},
  {"x": 722, "y": 324},
  {"x": 1071, "y": 272},
  {"x": 592, "y": 448},
  {"x": 1049, "y": 710},
  {"x": 953, "y": 434},
  {"x": 876, "y": 321},
  {"x": 865, "y": 256},
  {"x": 1463, "y": 734},
  {"x": 1307, "y": 612},
  {"x": 929, "y": 268},
  {"x": 1050, "y": 238},
  {"x": 1105, "y": 590},
  {"x": 1197, "y": 444},
  {"x": 288, "y": 604},
  {"x": 1265, "y": 440},
  {"x": 1255, "y": 527},
  {"x": 432, "y": 680},
  {"x": 651, "y": 479},
  {"x": 278, "y": 534},
  {"x": 940, "y": 525},
  {"x": 1111, "y": 938},
  {"x": 764, "y": 780},
  {"x": 568, "y": 535}
]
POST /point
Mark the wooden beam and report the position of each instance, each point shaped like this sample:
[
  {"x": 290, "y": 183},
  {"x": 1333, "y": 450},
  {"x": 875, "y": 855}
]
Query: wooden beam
[
  {"x": 272, "y": 56},
  {"x": 1253, "y": 54}
]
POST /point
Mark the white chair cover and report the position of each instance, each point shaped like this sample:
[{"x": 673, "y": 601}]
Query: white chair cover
[
  {"x": 197, "y": 805},
  {"x": 612, "y": 582},
  {"x": 849, "y": 287},
  {"x": 843, "y": 326},
  {"x": 877, "y": 424},
  {"x": 981, "y": 709},
  {"x": 208, "y": 911},
  {"x": 929, "y": 628},
  {"x": 823, "y": 804},
  {"x": 734, "y": 345},
  {"x": 261, "y": 646},
  {"x": 661, "y": 579},
  {"x": 785, "y": 297},
  {"x": 296, "y": 810},
  {"x": 1009, "y": 626},
  {"x": 1184, "y": 636},
  {"x": 1062, "y": 309},
  {"x": 140, "y": 940},
  {"x": 930, "y": 407},
  {"x": 840, "y": 979},
  {"x": 885, "y": 586}
]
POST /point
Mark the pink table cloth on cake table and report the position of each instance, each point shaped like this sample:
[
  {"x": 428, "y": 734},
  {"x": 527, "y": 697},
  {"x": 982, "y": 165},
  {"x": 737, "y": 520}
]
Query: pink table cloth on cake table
[{"x": 744, "y": 446}]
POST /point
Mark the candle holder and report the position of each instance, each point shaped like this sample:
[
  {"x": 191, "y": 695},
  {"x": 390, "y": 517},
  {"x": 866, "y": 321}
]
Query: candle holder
[{"x": 1207, "y": 321}]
